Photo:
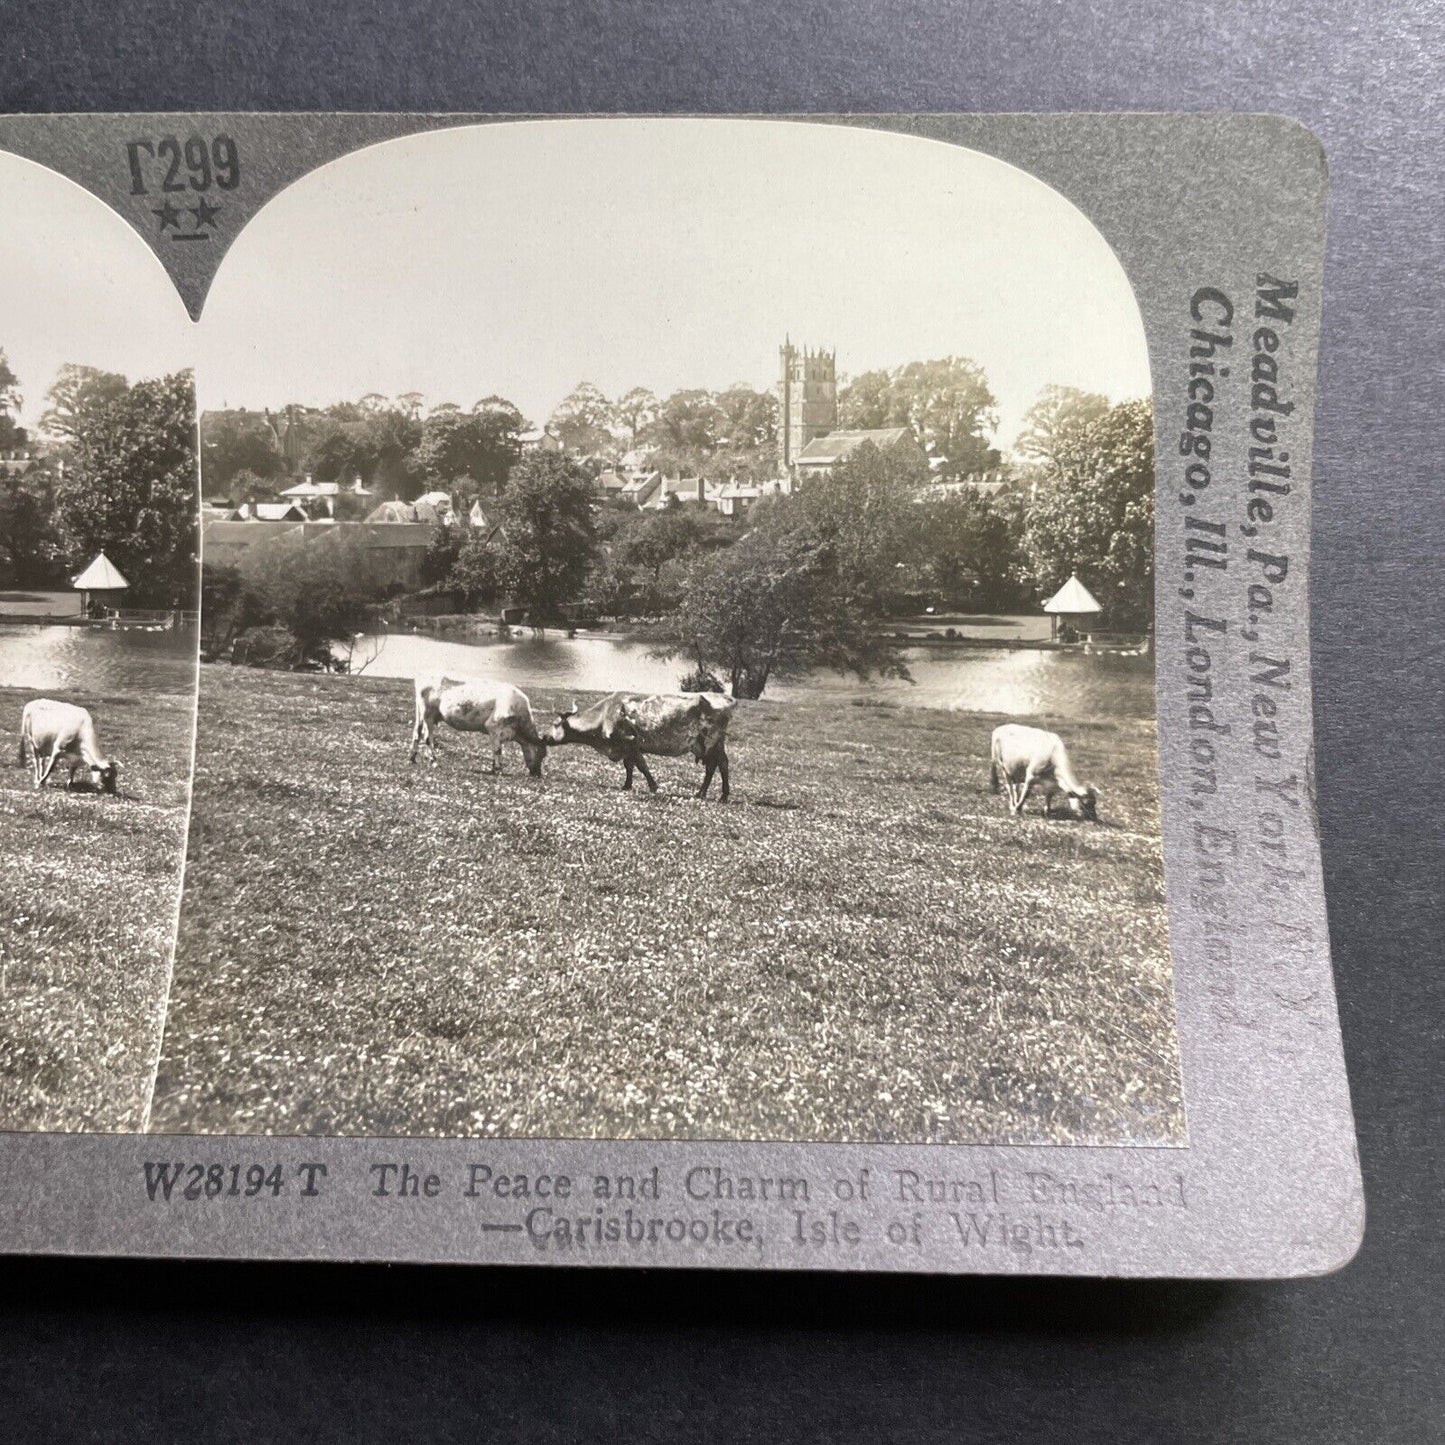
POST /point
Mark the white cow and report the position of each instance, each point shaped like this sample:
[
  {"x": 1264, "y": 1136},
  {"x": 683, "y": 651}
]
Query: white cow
[
  {"x": 52, "y": 730},
  {"x": 472, "y": 705},
  {"x": 1026, "y": 758}
]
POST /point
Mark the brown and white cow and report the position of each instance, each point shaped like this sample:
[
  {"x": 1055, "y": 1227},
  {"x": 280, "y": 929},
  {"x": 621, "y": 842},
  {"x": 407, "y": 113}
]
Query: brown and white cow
[
  {"x": 1025, "y": 758},
  {"x": 473, "y": 705},
  {"x": 625, "y": 726},
  {"x": 52, "y": 730}
]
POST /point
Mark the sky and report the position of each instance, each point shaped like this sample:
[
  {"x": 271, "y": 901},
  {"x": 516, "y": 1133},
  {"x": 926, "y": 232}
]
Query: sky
[
  {"x": 520, "y": 259},
  {"x": 78, "y": 285}
]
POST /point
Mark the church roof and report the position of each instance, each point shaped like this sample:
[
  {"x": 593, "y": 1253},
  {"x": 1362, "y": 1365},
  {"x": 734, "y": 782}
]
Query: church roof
[
  {"x": 824, "y": 451},
  {"x": 1072, "y": 598},
  {"x": 100, "y": 576}
]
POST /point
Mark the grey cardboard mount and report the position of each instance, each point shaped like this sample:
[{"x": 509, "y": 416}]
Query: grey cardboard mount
[{"x": 1218, "y": 220}]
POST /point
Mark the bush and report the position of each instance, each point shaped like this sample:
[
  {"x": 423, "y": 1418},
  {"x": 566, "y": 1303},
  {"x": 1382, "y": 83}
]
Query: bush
[{"x": 701, "y": 679}]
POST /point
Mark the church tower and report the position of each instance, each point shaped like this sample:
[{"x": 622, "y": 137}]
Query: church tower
[{"x": 808, "y": 399}]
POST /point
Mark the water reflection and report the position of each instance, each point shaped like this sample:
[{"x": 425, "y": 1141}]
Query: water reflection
[
  {"x": 97, "y": 659},
  {"x": 1022, "y": 682}
]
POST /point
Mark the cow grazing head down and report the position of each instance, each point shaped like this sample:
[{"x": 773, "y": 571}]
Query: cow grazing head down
[
  {"x": 535, "y": 753},
  {"x": 104, "y": 776},
  {"x": 1086, "y": 804}
]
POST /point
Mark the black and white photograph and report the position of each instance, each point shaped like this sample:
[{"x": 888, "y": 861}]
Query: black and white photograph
[
  {"x": 98, "y": 637},
  {"x": 677, "y": 652}
]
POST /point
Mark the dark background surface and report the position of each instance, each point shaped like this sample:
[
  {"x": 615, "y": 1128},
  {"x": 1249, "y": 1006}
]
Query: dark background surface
[{"x": 117, "y": 1351}]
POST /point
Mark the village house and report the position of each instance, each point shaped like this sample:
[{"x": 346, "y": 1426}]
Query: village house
[{"x": 683, "y": 490}]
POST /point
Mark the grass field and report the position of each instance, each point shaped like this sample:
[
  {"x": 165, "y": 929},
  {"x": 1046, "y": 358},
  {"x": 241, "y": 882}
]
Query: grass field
[
  {"x": 860, "y": 946},
  {"x": 88, "y": 891}
]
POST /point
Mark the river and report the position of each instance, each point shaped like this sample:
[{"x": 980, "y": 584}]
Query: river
[
  {"x": 51, "y": 658},
  {"x": 1023, "y": 682}
]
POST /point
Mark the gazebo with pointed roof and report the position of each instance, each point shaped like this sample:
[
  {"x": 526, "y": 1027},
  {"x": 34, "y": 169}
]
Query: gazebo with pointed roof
[
  {"x": 1072, "y": 603},
  {"x": 100, "y": 582}
]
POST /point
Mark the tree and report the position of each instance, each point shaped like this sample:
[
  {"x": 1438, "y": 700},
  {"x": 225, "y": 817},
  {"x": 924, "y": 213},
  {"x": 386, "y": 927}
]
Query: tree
[
  {"x": 774, "y": 603},
  {"x": 1055, "y": 423},
  {"x": 634, "y": 410},
  {"x": 969, "y": 549},
  {"x": 229, "y": 607},
  {"x": 320, "y": 589},
  {"x": 232, "y": 445},
  {"x": 474, "y": 572},
  {"x": 1096, "y": 516},
  {"x": 77, "y": 393},
  {"x": 749, "y": 420},
  {"x": 548, "y": 533},
  {"x": 12, "y": 434},
  {"x": 371, "y": 439},
  {"x": 864, "y": 508},
  {"x": 442, "y": 553},
  {"x": 28, "y": 537},
  {"x": 686, "y": 427},
  {"x": 947, "y": 403},
  {"x": 130, "y": 489},
  {"x": 481, "y": 445},
  {"x": 581, "y": 419},
  {"x": 656, "y": 539}
]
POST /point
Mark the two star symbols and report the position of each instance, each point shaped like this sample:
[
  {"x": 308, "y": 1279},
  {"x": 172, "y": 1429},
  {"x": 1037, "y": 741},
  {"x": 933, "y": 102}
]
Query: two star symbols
[{"x": 169, "y": 215}]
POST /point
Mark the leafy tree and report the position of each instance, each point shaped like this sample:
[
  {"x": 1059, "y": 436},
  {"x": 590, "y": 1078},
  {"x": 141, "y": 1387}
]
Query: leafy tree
[
  {"x": 946, "y": 402},
  {"x": 969, "y": 549},
  {"x": 411, "y": 403},
  {"x": 609, "y": 587},
  {"x": 370, "y": 439},
  {"x": 12, "y": 434},
  {"x": 441, "y": 554},
  {"x": 474, "y": 571},
  {"x": 320, "y": 589},
  {"x": 28, "y": 537},
  {"x": 581, "y": 419},
  {"x": 686, "y": 427},
  {"x": 480, "y": 445},
  {"x": 231, "y": 445},
  {"x": 865, "y": 510},
  {"x": 634, "y": 410},
  {"x": 774, "y": 603},
  {"x": 749, "y": 419},
  {"x": 548, "y": 532},
  {"x": 339, "y": 450},
  {"x": 77, "y": 392},
  {"x": 246, "y": 486},
  {"x": 1055, "y": 423},
  {"x": 656, "y": 539},
  {"x": 229, "y": 607},
  {"x": 1096, "y": 516},
  {"x": 130, "y": 488}
]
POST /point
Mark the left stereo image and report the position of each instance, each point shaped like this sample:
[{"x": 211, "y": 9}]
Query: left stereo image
[{"x": 98, "y": 598}]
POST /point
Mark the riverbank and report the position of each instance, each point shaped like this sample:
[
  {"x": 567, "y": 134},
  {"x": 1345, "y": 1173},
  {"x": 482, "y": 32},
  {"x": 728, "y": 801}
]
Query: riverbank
[
  {"x": 88, "y": 893},
  {"x": 860, "y": 946}
]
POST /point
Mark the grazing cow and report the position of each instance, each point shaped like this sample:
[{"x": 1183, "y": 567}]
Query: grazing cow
[
  {"x": 623, "y": 727},
  {"x": 1027, "y": 757},
  {"x": 495, "y": 708},
  {"x": 54, "y": 730}
]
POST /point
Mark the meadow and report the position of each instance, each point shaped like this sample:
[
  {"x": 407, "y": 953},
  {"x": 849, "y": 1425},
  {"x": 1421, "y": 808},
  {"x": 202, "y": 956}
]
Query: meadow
[
  {"x": 860, "y": 946},
  {"x": 88, "y": 891}
]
